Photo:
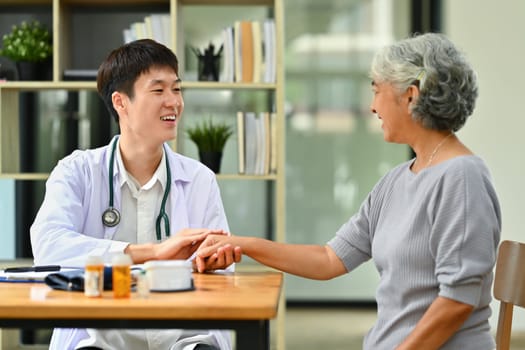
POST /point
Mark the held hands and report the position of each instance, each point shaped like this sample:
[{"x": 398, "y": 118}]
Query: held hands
[
  {"x": 216, "y": 252},
  {"x": 183, "y": 244}
]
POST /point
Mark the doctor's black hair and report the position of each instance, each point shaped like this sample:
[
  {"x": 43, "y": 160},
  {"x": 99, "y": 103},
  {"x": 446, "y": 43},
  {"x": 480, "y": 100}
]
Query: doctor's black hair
[{"x": 124, "y": 65}]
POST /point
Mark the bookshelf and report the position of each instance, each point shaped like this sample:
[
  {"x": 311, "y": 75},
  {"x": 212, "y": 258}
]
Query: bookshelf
[{"x": 77, "y": 45}]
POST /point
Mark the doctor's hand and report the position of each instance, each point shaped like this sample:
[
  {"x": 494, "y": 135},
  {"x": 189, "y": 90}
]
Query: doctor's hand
[
  {"x": 217, "y": 252},
  {"x": 182, "y": 245}
]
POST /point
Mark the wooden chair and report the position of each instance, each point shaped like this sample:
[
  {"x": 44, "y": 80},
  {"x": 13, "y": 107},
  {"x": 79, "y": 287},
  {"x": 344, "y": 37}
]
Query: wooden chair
[{"x": 509, "y": 288}]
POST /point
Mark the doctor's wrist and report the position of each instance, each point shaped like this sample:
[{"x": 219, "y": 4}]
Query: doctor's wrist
[{"x": 140, "y": 253}]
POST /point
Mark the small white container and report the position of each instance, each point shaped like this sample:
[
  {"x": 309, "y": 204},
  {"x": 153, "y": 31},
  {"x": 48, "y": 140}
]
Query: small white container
[
  {"x": 94, "y": 276},
  {"x": 169, "y": 275}
]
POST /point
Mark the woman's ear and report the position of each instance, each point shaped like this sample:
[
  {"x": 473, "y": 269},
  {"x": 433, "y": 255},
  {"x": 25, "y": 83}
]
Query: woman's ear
[{"x": 412, "y": 94}]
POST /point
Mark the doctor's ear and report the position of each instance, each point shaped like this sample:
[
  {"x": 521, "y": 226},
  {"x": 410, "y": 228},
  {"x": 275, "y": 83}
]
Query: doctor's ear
[{"x": 118, "y": 101}]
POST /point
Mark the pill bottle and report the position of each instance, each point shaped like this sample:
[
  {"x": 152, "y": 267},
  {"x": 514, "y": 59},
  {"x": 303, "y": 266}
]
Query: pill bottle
[
  {"x": 94, "y": 277},
  {"x": 121, "y": 272},
  {"x": 142, "y": 285}
]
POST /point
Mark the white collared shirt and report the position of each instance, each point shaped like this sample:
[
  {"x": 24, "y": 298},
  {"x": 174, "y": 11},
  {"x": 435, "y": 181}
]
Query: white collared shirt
[{"x": 141, "y": 204}]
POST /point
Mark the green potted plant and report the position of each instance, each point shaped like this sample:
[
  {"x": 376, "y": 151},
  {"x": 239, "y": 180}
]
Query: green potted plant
[
  {"x": 29, "y": 45},
  {"x": 210, "y": 139}
]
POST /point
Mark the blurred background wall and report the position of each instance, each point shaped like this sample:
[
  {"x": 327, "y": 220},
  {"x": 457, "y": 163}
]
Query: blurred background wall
[{"x": 492, "y": 33}]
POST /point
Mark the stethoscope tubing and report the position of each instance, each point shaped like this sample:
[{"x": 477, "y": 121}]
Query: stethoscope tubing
[{"x": 111, "y": 216}]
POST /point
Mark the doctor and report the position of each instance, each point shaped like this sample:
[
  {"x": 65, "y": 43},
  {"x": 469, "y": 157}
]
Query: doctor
[{"x": 134, "y": 195}]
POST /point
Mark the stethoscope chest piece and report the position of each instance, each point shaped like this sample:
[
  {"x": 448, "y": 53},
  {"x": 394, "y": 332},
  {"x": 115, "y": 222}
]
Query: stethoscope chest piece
[{"x": 111, "y": 217}]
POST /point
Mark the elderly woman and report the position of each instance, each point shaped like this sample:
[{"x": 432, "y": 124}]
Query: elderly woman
[{"x": 431, "y": 225}]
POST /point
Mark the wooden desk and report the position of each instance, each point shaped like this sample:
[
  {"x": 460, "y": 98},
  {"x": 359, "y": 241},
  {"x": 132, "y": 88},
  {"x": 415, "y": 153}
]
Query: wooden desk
[{"x": 244, "y": 302}]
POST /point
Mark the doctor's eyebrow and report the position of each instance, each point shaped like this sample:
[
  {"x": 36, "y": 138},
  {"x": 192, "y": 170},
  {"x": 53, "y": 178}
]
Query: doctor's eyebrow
[{"x": 161, "y": 81}]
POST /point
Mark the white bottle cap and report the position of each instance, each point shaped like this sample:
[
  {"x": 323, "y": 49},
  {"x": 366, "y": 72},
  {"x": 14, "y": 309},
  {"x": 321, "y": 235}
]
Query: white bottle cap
[
  {"x": 94, "y": 260},
  {"x": 121, "y": 259}
]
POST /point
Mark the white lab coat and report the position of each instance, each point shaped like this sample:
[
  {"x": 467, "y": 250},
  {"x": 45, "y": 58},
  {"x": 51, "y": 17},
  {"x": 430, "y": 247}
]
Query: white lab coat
[{"x": 68, "y": 226}]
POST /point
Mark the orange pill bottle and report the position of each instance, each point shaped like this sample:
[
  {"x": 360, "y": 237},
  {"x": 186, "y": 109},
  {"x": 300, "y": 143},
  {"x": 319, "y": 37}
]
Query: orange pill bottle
[{"x": 121, "y": 273}]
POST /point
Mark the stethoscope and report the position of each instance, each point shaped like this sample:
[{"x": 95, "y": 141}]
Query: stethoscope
[{"x": 111, "y": 216}]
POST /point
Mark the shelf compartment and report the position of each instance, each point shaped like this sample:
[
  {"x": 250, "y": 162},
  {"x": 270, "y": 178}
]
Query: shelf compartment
[
  {"x": 47, "y": 85},
  {"x": 225, "y": 177},
  {"x": 113, "y": 3},
  {"x": 227, "y": 86},
  {"x": 91, "y": 85},
  {"x": 270, "y": 177},
  {"x": 9, "y": 131},
  {"x": 24, "y": 176},
  {"x": 25, "y": 3},
  {"x": 228, "y": 2}
]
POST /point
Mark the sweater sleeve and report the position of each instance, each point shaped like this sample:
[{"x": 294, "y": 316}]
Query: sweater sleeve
[
  {"x": 351, "y": 242},
  {"x": 465, "y": 232}
]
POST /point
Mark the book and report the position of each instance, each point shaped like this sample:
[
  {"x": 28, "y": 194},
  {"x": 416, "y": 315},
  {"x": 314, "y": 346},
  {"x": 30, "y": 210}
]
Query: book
[
  {"x": 148, "y": 29},
  {"x": 237, "y": 73},
  {"x": 228, "y": 62},
  {"x": 241, "y": 142},
  {"x": 158, "y": 32},
  {"x": 257, "y": 51},
  {"x": 269, "y": 51},
  {"x": 128, "y": 35},
  {"x": 273, "y": 143},
  {"x": 256, "y": 140},
  {"x": 273, "y": 56},
  {"x": 246, "y": 51},
  {"x": 259, "y": 136},
  {"x": 167, "y": 35},
  {"x": 155, "y": 26},
  {"x": 80, "y": 74},
  {"x": 267, "y": 143},
  {"x": 139, "y": 30},
  {"x": 250, "y": 143}
]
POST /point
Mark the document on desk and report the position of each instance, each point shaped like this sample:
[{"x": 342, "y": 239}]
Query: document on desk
[{"x": 29, "y": 274}]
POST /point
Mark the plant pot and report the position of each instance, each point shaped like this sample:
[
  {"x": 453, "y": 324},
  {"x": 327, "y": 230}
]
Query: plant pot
[
  {"x": 208, "y": 68},
  {"x": 212, "y": 160},
  {"x": 33, "y": 71}
]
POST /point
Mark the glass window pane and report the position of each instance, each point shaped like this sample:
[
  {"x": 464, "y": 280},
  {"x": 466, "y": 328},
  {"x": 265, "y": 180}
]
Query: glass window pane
[{"x": 335, "y": 150}]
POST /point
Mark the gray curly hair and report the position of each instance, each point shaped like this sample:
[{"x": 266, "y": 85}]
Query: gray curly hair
[{"x": 447, "y": 83}]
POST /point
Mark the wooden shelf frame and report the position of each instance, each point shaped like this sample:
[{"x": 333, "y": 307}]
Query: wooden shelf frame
[
  {"x": 91, "y": 85},
  {"x": 60, "y": 11}
]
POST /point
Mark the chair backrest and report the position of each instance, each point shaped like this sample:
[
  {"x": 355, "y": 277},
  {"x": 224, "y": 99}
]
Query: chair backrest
[{"x": 509, "y": 287}]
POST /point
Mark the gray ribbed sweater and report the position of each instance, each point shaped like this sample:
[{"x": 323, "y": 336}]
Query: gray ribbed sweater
[{"x": 429, "y": 234}]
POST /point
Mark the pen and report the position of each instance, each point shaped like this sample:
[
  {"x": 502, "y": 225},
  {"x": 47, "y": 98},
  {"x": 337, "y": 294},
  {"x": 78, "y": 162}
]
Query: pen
[{"x": 41, "y": 268}]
